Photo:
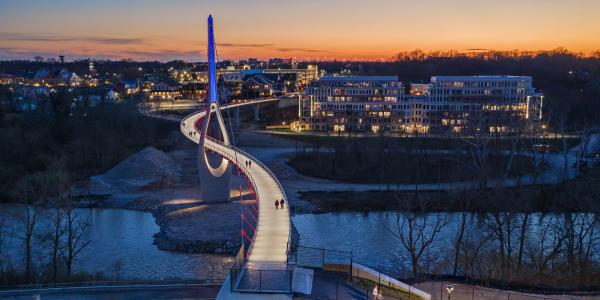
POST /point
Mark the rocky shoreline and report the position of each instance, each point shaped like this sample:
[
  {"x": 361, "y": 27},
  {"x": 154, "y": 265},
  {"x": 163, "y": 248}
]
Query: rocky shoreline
[
  {"x": 163, "y": 242},
  {"x": 166, "y": 185}
]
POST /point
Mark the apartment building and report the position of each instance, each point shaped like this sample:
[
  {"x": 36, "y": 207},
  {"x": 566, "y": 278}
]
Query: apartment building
[
  {"x": 352, "y": 103},
  {"x": 447, "y": 105}
]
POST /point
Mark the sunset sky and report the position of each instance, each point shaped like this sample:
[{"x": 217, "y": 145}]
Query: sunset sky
[{"x": 167, "y": 30}]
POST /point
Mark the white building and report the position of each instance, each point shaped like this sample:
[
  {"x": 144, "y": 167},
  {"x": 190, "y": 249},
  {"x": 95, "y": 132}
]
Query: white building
[
  {"x": 352, "y": 103},
  {"x": 448, "y": 105}
]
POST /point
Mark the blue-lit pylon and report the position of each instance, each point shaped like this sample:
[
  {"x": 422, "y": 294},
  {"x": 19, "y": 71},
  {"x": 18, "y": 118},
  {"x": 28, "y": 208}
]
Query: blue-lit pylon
[
  {"x": 210, "y": 191},
  {"x": 212, "y": 66}
]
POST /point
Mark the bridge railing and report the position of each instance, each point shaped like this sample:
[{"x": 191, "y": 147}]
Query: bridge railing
[
  {"x": 261, "y": 281},
  {"x": 270, "y": 173},
  {"x": 267, "y": 170},
  {"x": 244, "y": 279},
  {"x": 313, "y": 257},
  {"x": 224, "y": 154}
]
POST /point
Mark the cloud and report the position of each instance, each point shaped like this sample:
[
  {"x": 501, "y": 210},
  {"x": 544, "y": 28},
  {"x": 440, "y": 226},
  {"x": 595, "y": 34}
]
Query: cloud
[
  {"x": 271, "y": 46},
  {"x": 302, "y": 50},
  {"x": 56, "y": 38},
  {"x": 20, "y": 53},
  {"x": 162, "y": 54},
  {"x": 245, "y": 45},
  {"x": 10, "y": 53}
]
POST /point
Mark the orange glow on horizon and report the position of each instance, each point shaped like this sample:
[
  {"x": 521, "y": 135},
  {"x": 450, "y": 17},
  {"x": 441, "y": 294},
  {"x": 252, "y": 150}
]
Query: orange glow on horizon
[{"x": 335, "y": 29}]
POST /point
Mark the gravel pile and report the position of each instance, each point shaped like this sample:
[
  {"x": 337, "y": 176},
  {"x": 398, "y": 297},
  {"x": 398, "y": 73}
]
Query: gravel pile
[{"x": 145, "y": 169}]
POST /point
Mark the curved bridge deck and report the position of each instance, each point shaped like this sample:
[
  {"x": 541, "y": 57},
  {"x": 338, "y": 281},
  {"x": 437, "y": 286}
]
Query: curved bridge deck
[{"x": 269, "y": 247}]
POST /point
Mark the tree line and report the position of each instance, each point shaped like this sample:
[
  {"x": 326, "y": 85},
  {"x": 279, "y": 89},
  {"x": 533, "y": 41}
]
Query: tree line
[
  {"x": 89, "y": 140},
  {"x": 518, "y": 249}
]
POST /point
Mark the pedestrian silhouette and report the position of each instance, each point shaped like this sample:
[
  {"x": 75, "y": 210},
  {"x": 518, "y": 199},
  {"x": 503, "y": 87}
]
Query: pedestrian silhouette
[
  {"x": 282, "y": 202},
  {"x": 276, "y": 204}
]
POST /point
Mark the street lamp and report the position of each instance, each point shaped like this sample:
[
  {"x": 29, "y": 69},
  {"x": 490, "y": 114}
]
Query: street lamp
[{"x": 449, "y": 288}]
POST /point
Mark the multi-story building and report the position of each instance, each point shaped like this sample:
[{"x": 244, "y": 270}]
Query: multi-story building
[
  {"x": 352, "y": 103},
  {"x": 164, "y": 91},
  {"x": 493, "y": 104},
  {"x": 448, "y": 105}
]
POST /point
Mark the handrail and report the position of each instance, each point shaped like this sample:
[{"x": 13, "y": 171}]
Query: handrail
[
  {"x": 269, "y": 172},
  {"x": 230, "y": 153}
]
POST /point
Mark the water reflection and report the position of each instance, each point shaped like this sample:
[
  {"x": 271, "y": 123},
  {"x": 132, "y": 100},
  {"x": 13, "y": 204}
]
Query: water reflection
[
  {"x": 121, "y": 244},
  {"x": 372, "y": 237}
]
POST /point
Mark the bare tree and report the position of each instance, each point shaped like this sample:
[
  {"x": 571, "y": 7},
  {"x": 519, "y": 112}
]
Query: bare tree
[
  {"x": 474, "y": 243},
  {"x": 28, "y": 217},
  {"x": 417, "y": 230},
  {"x": 61, "y": 184},
  {"x": 29, "y": 188},
  {"x": 500, "y": 226},
  {"x": 464, "y": 204},
  {"x": 580, "y": 235},
  {"x": 75, "y": 229},
  {"x": 56, "y": 236},
  {"x": 561, "y": 117},
  {"x": 547, "y": 246},
  {"x": 585, "y": 137},
  {"x": 480, "y": 153}
]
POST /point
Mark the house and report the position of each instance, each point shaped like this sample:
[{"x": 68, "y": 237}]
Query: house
[
  {"x": 267, "y": 85},
  {"x": 193, "y": 91},
  {"x": 257, "y": 86},
  {"x": 230, "y": 86},
  {"x": 56, "y": 77},
  {"x": 68, "y": 78},
  {"x": 165, "y": 91}
]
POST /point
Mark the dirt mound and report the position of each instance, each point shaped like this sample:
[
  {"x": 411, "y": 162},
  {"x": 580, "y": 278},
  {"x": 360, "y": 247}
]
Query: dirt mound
[{"x": 147, "y": 168}]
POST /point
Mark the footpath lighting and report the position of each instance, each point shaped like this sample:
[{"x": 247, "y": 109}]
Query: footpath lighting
[
  {"x": 377, "y": 294},
  {"x": 449, "y": 288}
]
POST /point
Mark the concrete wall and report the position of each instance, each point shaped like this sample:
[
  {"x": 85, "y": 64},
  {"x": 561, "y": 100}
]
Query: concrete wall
[{"x": 360, "y": 271}]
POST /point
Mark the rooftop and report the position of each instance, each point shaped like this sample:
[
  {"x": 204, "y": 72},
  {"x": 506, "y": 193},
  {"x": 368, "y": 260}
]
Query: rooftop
[
  {"x": 359, "y": 78},
  {"x": 480, "y": 78}
]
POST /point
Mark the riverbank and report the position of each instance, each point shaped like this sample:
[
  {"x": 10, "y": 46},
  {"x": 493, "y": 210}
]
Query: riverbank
[
  {"x": 121, "y": 247},
  {"x": 187, "y": 224},
  {"x": 578, "y": 195},
  {"x": 167, "y": 185}
]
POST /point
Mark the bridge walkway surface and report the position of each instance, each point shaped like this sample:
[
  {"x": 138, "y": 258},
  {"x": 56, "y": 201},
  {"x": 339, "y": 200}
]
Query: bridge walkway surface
[{"x": 265, "y": 266}]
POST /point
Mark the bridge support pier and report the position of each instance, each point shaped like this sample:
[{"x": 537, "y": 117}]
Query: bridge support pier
[
  {"x": 214, "y": 189},
  {"x": 236, "y": 117}
]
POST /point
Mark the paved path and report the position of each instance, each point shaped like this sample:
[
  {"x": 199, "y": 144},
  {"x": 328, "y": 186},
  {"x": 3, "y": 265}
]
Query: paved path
[
  {"x": 293, "y": 181},
  {"x": 268, "y": 250}
]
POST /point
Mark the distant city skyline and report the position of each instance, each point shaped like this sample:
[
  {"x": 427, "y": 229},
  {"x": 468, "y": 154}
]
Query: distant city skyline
[{"x": 161, "y": 30}]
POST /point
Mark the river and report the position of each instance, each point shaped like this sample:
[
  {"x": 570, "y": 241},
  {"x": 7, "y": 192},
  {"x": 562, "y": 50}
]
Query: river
[
  {"x": 121, "y": 245},
  {"x": 125, "y": 238}
]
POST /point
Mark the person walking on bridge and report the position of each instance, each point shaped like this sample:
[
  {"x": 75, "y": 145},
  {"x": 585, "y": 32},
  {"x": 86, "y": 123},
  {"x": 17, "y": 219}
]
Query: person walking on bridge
[
  {"x": 282, "y": 202},
  {"x": 250, "y": 164},
  {"x": 276, "y": 204}
]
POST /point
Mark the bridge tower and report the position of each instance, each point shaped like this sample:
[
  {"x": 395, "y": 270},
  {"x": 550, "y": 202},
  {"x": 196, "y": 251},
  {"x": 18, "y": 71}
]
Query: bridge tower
[{"x": 215, "y": 171}]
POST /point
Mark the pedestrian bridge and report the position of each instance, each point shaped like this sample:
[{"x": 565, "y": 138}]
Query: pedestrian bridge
[{"x": 263, "y": 267}]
